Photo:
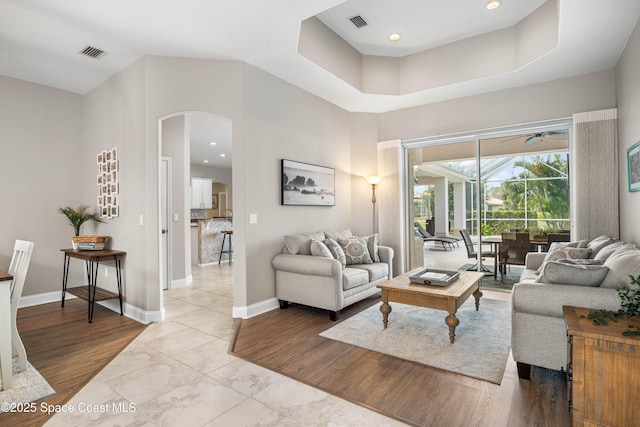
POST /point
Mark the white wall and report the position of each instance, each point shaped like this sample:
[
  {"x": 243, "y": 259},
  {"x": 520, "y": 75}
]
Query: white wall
[
  {"x": 40, "y": 170},
  {"x": 628, "y": 96},
  {"x": 544, "y": 101},
  {"x": 114, "y": 116},
  {"x": 283, "y": 121}
]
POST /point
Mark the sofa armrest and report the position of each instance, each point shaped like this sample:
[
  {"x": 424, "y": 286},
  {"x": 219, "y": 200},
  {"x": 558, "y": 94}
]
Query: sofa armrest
[
  {"x": 547, "y": 299},
  {"x": 307, "y": 264},
  {"x": 533, "y": 260},
  {"x": 386, "y": 255}
]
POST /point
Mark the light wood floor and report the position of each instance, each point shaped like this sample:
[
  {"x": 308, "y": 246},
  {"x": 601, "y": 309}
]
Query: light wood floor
[
  {"x": 287, "y": 342},
  {"x": 67, "y": 350}
]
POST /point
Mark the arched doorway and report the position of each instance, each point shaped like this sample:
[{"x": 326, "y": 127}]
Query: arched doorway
[{"x": 191, "y": 144}]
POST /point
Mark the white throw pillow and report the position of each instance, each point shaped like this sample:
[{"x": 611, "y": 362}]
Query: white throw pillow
[
  {"x": 372, "y": 246},
  {"x": 561, "y": 273},
  {"x": 597, "y": 244},
  {"x": 336, "y": 251},
  {"x": 301, "y": 243},
  {"x": 320, "y": 249},
  {"x": 622, "y": 263}
]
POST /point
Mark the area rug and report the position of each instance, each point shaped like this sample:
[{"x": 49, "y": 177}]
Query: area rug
[
  {"x": 500, "y": 283},
  {"x": 482, "y": 341},
  {"x": 28, "y": 386}
]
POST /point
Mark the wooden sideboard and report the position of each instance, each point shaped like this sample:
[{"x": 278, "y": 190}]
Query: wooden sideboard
[{"x": 603, "y": 370}]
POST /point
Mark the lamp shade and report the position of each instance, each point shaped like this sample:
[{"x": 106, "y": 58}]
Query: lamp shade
[{"x": 373, "y": 180}]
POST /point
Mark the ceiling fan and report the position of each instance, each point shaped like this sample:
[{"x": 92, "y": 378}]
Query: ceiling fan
[
  {"x": 552, "y": 134},
  {"x": 535, "y": 137}
]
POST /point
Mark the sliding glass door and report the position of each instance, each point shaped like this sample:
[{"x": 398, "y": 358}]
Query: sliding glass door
[{"x": 484, "y": 186}]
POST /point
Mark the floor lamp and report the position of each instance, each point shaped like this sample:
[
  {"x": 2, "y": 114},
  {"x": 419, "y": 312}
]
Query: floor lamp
[{"x": 373, "y": 180}]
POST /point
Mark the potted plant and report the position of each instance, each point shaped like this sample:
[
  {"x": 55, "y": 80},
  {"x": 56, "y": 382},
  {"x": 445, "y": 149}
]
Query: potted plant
[
  {"x": 77, "y": 217},
  {"x": 629, "y": 307}
]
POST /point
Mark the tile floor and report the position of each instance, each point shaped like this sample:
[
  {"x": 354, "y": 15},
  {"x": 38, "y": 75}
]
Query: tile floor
[{"x": 178, "y": 373}]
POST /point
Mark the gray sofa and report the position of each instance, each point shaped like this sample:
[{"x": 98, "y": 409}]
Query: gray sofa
[
  {"x": 577, "y": 274},
  {"x": 330, "y": 270}
]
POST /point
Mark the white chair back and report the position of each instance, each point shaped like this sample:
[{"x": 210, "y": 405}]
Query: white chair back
[{"x": 22, "y": 251}]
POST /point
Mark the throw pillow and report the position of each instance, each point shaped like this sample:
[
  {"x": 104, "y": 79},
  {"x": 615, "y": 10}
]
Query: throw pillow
[
  {"x": 372, "y": 246},
  {"x": 301, "y": 243},
  {"x": 622, "y": 263},
  {"x": 336, "y": 235},
  {"x": 336, "y": 251},
  {"x": 320, "y": 249},
  {"x": 582, "y": 261},
  {"x": 606, "y": 252},
  {"x": 560, "y": 273},
  {"x": 599, "y": 243},
  {"x": 558, "y": 251},
  {"x": 355, "y": 249}
]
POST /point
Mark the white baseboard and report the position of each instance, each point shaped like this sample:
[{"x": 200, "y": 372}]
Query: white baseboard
[
  {"x": 255, "y": 309},
  {"x": 130, "y": 311},
  {"x": 182, "y": 283}
]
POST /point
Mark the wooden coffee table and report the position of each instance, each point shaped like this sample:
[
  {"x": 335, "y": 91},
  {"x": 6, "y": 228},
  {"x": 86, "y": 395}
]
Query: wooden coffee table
[{"x": 448, "y": 298}]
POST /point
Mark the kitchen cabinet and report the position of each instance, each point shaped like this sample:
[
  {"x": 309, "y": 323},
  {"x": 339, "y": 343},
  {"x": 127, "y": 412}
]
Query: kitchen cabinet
[{"x": 200, "y": 193}]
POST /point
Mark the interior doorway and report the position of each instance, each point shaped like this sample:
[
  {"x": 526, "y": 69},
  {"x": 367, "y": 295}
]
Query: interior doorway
[{"x": 191, "y": 144}]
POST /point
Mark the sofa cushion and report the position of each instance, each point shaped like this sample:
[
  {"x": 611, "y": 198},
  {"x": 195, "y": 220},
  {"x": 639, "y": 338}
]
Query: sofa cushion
[
  {"x": 301, "y": 243},
  {"x": 528, "y": 275},
  {"x": 353, "y": 277},
  {"x": 561, "y": 273},
  {"x": 622, "y": 263},
  {"x": 356, "y": 251},
  {"x": 336, "y": 251},
  {"x": 377, "y": 270},
  {"x": 597, "y": 244},
  {"x": 606, "y": 252},
  {"x": 320, "y": 249},
  {"x": 336, "y": 235}
]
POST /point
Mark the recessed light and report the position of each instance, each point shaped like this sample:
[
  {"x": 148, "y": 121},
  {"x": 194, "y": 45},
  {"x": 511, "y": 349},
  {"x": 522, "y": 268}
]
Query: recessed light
[
  {"x": 212, "y": 143},
  {"x": 206, "y": 161},
  {"x": 394, "y": 37},
  {"x": 223, "y": 155},
  {"x": 493, "y": 4}
]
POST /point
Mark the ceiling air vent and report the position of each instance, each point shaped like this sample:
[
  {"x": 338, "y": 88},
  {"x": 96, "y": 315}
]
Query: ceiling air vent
[
  {"x": 93, "y": 52},
  {"x": 358, "y": 21}
]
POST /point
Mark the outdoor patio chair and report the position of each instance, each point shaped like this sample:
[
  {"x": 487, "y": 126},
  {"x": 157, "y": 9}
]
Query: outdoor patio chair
[
  {"x": 513, "y": 250},
  {"x": 444, "y": 240},
  {"x": 471, "y": 253}
]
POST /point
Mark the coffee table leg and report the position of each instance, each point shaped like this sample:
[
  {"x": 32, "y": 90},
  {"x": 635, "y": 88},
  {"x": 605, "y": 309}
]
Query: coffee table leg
[
  {"x": 452, "y": 321},
  {"x": 477, "y": 294},
  {"x": 385, "y": 309}
]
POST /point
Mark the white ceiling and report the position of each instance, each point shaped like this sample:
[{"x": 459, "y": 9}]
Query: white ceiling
[{"x": 40, "y": 39}]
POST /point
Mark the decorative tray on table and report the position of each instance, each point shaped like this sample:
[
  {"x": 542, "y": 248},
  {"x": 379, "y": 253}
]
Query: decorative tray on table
[{"x": 430, "y": 276}]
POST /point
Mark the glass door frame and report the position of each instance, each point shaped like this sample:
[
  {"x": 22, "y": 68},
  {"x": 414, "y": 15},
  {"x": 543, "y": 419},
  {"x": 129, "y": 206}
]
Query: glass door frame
[{"x": 476, "y": 137}]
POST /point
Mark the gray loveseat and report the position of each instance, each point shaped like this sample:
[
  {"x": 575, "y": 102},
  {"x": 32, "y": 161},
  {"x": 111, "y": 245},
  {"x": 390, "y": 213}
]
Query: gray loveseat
[
  {"x": 587, "y": 275},
  {"x": 330, "y": 270}
]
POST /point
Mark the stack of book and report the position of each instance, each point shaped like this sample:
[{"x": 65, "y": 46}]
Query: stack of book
[{"x": 90, "y": 243}]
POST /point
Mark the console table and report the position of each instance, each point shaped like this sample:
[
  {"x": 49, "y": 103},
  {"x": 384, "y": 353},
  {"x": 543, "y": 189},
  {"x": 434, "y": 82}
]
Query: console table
[
  {"x": 92, "y": 293},
  {"x": 603, "y": 370}
]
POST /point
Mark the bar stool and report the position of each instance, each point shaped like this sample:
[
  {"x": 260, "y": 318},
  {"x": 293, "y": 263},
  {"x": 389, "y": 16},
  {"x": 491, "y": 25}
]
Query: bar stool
[{"x": 226, "y": 233}]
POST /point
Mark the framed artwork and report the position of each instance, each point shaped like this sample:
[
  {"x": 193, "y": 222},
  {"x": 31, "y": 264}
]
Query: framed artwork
[
  {"x": 107, "y": 180},
  {"x": 633, "y": 166},
  {"x": 304, "y": 184},
  {"x": 214, "y": 201}
]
